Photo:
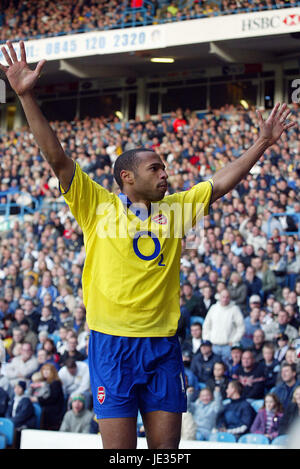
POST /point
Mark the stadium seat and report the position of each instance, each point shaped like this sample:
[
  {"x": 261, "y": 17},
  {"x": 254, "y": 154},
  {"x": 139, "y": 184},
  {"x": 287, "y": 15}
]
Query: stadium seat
[
  {"x": 196, "y": 319},
  {"x": 38, "y": 413},
  {"x": 257, "y": 404},
  {"x": 280, "y": 440},
  {"x": 2, "y": 442},
  {"x": 7, "y": 429},
  {"x": 254, "y": 438},
  {"x": 201, "y": 385},
  {"x": 222, "y": 437}
]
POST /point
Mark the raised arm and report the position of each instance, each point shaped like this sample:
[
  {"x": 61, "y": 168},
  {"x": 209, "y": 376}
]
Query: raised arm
[
  {"x": 270, "y": 131},
  {"x": 22, "y": 80}
]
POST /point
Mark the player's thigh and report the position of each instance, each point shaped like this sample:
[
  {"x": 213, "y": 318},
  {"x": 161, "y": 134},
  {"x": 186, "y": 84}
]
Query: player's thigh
[
  {"x": 118, "y": 433},
  {"x": 163, "y": 429}
]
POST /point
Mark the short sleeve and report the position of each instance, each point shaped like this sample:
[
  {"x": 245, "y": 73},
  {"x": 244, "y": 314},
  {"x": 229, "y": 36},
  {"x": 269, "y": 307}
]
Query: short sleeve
[
  {"x": 83, "y": 197},
  {"x": 194, "y": 203}
]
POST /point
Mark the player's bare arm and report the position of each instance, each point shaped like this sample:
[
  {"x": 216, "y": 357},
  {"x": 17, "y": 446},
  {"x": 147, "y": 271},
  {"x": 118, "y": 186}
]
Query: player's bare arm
[
  {"x": 270, "y": 131},
  {"x": 22, "y": 80}
]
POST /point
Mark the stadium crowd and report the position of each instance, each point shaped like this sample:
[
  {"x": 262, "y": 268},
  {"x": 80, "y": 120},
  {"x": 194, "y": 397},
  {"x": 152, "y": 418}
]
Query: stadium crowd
[
  {"x": 240, "y": 280},
  {"x": 33, "y": 18}
]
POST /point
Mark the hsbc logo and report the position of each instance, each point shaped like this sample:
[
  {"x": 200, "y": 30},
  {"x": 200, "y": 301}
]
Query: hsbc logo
[
  {"x": 292, "y": 20},
  {"x": 101, "y": 394},
  {"x": 261, "y": 23}
]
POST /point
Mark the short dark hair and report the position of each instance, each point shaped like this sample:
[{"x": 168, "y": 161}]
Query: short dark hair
[{"x": 129, "y": 161}]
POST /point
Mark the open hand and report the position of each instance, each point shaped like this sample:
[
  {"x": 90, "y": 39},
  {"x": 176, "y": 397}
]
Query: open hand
[
  {"x": 272, "y": 128},
  {"x": 21, "y": 78}
]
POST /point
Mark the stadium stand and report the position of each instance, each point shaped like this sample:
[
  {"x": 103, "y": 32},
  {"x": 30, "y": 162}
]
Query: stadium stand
[
  {"x": 52, "y": 245},
  {"x": 32, "y": 20}
]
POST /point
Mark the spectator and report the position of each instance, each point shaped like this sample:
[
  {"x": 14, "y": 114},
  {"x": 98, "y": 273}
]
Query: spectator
[
  {"x": 219, "y": 379},
  {"x": 280, "y": 326},
  {"x": 20, "y": 411},
  {"x": 282, "y": 342},
  {"x": 253, "y": 283},
  {"x": 285, "y": 389},
  {"x": 268, "y": 419},
  {"x": 203, "y": 362},
  {"x": 62, "y": 343},
  {"x": 71, "y": 351},
  {"x": 238, "y": 291},
  {"x": 78, "y": 419},
  {"x": 52, "y": 404},
  {"x": 223, "y": 325},
  {"x": 206, "y": 300},
  {"x": 191, "y": 301},
  {"x": 252, "y": 323},
  {"x": 235, "y": 359},
  {"x": 291, "y": 413},
  {"x": 238, "y": 415},
  {"x": 269, "y": 282},
  {"x": 47, "y": 322},
  {"x": 29, "y": 335},
  {"x": 205, "y": 411},
  {"x": 22, "y": 366},
  {"x": 192, "y": 344},
  {"x": 251, "y": 375},
  {"x": 271, "y": 366},
  {"x": 75, "y": 379},
  {"x": 47, "y": 287},
  {"x": 258, "y": 344}
]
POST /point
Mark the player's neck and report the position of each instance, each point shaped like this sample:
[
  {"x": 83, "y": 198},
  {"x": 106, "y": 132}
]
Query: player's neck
[{"x": 137, "y": 200}]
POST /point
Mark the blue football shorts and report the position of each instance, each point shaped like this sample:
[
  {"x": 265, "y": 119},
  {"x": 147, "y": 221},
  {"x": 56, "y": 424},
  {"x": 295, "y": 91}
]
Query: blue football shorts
[{"x": 128, "y": 374}]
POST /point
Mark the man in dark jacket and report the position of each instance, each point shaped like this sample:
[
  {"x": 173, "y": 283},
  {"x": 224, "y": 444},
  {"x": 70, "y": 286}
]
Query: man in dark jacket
[
  {"x": 284, "y": 390},
  {"x": 251, "y": 375},
  {"x": 203, "y": 362},
  {"x": 20, "y": 409},
  {"x": 238, "y": 415}
]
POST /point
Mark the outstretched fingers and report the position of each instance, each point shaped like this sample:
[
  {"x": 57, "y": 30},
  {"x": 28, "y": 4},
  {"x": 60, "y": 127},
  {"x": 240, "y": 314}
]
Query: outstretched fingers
[
  {"x": 7, "y": 56},
  {"x": 23, "y": 51},
  {"x": 39, "y": 67},
  {"x": 12, "y": 52},
  {"x": 289, "y": 125},
  {"x": 274, "y": 112}
]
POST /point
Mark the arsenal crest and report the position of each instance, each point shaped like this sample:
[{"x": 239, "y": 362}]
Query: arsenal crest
[
  {"x": 101, "y": 394},
  {"x": 160, "y": 218}
]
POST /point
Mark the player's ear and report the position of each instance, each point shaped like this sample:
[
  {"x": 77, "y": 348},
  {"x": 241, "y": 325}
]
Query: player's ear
[{"x": 127, "y": 176}]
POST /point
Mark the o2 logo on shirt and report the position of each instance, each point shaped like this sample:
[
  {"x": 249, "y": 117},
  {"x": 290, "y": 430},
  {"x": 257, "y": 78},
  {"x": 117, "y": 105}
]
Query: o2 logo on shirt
[{"x": 156, "y": 245}]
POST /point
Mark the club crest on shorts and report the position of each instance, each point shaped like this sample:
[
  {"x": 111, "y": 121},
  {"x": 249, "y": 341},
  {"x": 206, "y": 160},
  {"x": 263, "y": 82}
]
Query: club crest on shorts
[
  {"x": 101, "y": 394},
  {"x": 160, "y": 218}
]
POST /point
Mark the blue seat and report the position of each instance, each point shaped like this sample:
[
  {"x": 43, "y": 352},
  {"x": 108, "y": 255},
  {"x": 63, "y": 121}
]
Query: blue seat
[
  {"x": 226, "y": 401},
  {"x": 2, "y": 442},
  {"x": 222, "y": 437},
  {"x": 38, "y": 414},
  {"x": 280, "y": 440},
  {"x": 254, "y": 438},
  {"x": 257, "y": 404},
  {"x": 7, "y": 429},
  {"x": 196, "y": 319},
  {"x": 201, "y": 385}
]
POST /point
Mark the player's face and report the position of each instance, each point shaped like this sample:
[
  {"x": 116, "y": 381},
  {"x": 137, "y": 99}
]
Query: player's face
[{"x": 150, "y": 181}]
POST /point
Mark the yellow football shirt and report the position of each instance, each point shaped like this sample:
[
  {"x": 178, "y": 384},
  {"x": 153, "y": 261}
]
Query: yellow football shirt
[{"x": 130, "y": 277}]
